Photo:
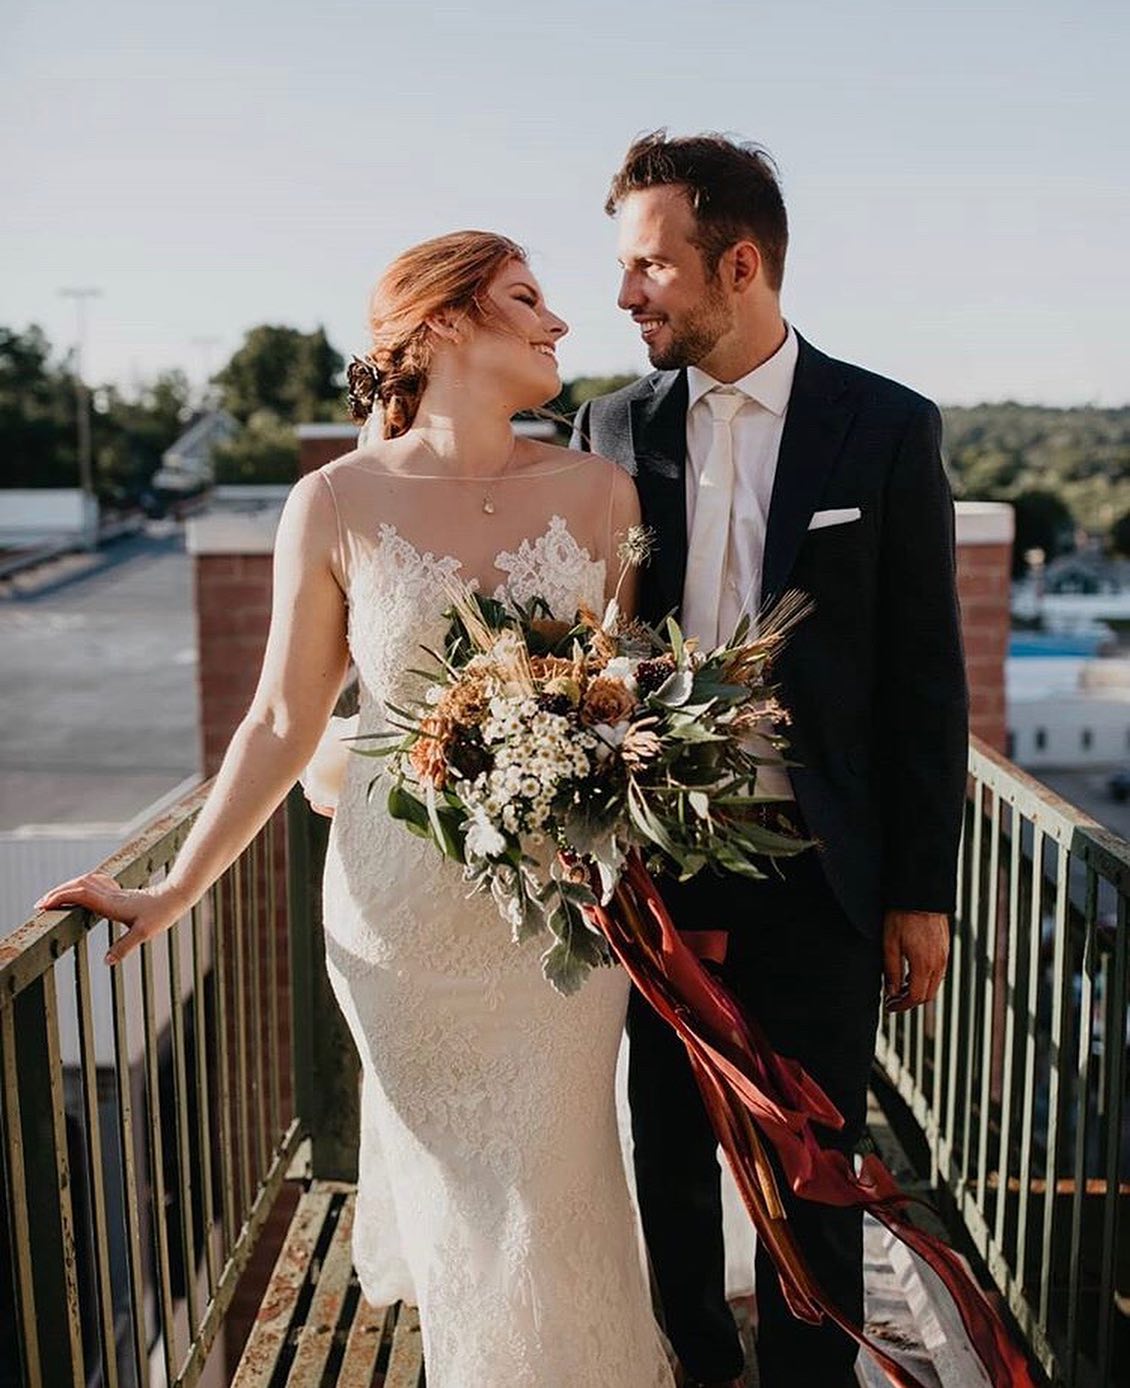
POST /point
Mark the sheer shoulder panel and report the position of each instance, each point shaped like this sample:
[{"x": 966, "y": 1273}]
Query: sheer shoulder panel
[
  {"x": 338, "y": 554},
  {"x": 501, "y": 535}
]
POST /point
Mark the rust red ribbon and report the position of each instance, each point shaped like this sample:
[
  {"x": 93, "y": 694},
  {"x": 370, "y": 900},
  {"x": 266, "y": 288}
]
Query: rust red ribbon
[{"x": 753, "y": 1094}]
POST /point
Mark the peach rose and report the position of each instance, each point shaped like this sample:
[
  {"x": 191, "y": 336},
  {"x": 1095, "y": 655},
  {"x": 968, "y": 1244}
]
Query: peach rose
[{"x": 606, "y": 701}]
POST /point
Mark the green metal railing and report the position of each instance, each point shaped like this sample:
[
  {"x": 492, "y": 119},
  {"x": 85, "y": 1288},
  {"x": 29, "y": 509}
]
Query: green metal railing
[
  {"x": 1017, "y": 1075},
  {"x": 149, "y": 1113}
]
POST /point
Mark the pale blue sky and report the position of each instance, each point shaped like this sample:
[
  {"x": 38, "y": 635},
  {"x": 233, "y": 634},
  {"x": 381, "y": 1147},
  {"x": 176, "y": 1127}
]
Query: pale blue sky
[{"x": 957, "y": 179}]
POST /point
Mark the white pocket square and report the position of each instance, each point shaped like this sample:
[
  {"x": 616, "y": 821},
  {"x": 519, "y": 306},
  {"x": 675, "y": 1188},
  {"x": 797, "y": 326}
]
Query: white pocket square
[{"x": 822, "y": 518}]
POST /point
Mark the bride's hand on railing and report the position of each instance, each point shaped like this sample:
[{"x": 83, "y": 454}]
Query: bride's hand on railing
[{"x": 145, "y": 912}]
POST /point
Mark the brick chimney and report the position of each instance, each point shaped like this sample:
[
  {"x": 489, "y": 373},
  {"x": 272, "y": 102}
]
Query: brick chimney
[
  {"x": 231, "y": 555},
  {"x": 319, "y": 444},
  {"x": 984, "y": 577}
]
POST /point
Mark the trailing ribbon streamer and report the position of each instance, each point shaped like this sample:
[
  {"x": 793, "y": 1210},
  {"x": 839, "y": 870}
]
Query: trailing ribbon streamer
[{"x": 752, "y": 1093}]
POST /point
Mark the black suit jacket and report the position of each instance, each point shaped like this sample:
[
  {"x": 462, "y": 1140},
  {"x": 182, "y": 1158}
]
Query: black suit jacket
[{"x": 874, "y": 679}]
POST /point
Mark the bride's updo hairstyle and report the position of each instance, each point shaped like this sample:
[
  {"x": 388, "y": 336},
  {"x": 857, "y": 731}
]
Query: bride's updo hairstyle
[{"x": 449, "y": 273}]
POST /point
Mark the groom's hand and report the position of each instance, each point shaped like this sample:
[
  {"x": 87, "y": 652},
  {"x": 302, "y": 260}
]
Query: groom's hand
[{"x": 916, "y": 946}]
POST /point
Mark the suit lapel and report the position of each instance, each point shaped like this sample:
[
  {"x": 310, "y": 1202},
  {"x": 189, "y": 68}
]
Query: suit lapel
[
  {"x": 659, "y": 443},
  {"x": 816, "y": 424}
]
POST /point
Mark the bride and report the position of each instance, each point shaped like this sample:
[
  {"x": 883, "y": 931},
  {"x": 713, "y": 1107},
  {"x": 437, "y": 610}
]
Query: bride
[{"x": 492, "y": 1191}]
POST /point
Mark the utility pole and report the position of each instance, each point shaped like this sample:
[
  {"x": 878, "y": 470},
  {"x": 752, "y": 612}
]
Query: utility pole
[
  {"x": 204, "y": 346},
  {"x": 80, "y": 296}
]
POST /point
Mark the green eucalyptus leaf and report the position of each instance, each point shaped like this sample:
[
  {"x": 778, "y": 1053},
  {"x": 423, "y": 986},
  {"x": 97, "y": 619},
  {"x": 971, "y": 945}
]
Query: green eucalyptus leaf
[{"x": 675, "y": 640}]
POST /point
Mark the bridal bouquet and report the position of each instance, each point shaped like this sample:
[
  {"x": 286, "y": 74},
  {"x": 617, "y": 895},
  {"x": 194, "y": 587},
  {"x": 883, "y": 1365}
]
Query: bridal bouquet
[{"x": 545, "y": 751}]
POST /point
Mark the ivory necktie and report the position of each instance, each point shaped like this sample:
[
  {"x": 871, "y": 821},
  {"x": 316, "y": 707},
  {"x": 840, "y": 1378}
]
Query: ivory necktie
[{"x": 710, "y": 528}]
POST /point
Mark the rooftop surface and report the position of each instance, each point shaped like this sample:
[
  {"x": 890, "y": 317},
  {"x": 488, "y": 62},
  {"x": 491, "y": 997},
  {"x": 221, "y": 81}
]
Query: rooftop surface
[{"x": 98, "y": 683}]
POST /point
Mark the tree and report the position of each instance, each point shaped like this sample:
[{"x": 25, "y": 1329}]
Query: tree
[
  {"x": 37, "y": 414},
  {"x": 295, "y": 375},
  {"x": 1042, "y": 522},
  {"x": 1120, "y": 535},
  {"x": 131, "y": 434},
  {"x": 1082, "y": 455},
  {"x": 265, "y": 450},
  {"x": 589, "y": 387}
]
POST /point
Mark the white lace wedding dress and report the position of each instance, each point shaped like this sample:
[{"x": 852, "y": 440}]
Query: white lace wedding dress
[{"x": 492, "y": 1191}]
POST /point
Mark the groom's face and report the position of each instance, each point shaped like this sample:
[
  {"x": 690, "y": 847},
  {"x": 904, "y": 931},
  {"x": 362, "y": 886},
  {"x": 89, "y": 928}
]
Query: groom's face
[{"x": 680, "y": 309}]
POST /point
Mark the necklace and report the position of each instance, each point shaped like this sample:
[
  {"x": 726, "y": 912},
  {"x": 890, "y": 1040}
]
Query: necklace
[{"x": 488, "y": 504}]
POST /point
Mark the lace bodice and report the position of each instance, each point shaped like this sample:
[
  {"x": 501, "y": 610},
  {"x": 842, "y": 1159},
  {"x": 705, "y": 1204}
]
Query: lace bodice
[{"x": 398, "y": 594}]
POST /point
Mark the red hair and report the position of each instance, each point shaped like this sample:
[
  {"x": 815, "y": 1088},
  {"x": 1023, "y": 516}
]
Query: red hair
[{"x": 448, "y": 273}]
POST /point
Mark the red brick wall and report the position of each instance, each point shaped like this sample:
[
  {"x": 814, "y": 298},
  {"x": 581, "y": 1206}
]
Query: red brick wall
[
  {"x": 233, "y": 608},
  {"x": 315, "y": 452},
  {"x": 983, "y": 578}
]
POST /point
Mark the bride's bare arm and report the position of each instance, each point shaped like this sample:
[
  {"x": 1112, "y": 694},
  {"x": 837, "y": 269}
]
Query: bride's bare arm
[{"x": 302, "y": 673}]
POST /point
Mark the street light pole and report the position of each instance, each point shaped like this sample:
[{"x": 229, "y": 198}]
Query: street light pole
[
  {"x": 205, "y": 345},
  {"x": 80, "y": 296}
]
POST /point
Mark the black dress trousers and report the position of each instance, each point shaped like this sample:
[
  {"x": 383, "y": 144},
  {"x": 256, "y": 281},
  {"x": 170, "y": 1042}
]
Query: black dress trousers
[{"x": 813, "y": 982}]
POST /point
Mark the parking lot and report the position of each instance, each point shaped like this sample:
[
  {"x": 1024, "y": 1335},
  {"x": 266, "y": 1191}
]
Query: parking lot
[{"x": 98, "y": 683}]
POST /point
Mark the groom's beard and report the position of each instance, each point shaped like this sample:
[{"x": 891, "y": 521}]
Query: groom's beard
[{"x": 694, "y": 337}]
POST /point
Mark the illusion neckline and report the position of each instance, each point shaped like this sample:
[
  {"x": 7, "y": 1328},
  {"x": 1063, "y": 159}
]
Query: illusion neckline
[{"x": 523, "y": 474}]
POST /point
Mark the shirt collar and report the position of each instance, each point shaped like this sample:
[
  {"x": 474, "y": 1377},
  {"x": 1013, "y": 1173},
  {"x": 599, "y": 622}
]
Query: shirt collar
[{"x": 770, "y": 384}]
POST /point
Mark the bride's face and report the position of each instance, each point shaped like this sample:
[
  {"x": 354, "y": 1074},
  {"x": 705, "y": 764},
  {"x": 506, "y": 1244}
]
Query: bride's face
[{"x": 515, "y": 348}]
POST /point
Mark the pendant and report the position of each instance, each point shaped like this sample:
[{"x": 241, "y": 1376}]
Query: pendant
[{"x": 488, "y": 505}]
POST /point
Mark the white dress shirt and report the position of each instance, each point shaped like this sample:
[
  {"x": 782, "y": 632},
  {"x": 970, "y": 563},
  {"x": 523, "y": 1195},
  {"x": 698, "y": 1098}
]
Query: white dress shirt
[{"x": 756, "y": 430}]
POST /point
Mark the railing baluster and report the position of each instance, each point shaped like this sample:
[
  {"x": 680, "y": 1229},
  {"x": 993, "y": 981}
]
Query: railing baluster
[
  {"x": 1115, "y": 1004},
  {"x": 20, "y": 1232},
  {"x": 247, "y": 1183},
  {"x": 919, "y": 1069},
  {"x": 47, "y": 1183},
  {"x": 124, "y": 1071},
  {"x": 941, "y": 1028},
  {"x": 1060, "y": 984},
  {"x": 1082, "y": 1114},
  {"x": 988, "y": 1019},
  {"x": 203, "y": 1104},
  {"x": 185, "y": 1183},
  {"x": 1004, "y": 1161},
  {"x": 975, "y": 992},
  {"x": 957, "y": 997},
  {"x": 273, "y": 981},
  {"x": 157, "y": 1163},
  {"x": 300, "y": 940},
  {"x": 258, "y": 1010},
  {"x": 222, "y": 931},
  {"x": 88, "y": 1065},
  {"x": 1031, "y": 1019}
]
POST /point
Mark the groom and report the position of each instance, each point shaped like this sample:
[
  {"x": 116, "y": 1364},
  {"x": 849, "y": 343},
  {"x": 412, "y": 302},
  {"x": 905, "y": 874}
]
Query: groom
[{"x": 764, "y": 465}]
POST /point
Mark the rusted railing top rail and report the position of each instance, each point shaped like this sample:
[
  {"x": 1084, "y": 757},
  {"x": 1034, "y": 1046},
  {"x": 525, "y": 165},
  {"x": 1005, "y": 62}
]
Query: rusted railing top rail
[{"x": 32, "y": 948}]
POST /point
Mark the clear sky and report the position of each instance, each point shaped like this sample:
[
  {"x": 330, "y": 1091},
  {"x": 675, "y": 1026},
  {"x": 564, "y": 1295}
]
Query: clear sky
[{"x": 957, "y": 176}]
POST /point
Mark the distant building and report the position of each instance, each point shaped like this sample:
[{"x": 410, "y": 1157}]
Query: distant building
[
  {"x": 59, "y": 517},
  {"x": 1075, "y": 591},
  {"x": 1067, "y": 713},
  {"x": 1086, "y": 573},
  {"x": 187, "y": 464}
]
